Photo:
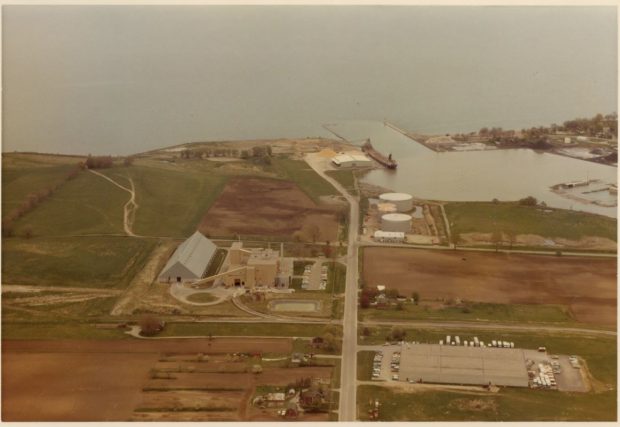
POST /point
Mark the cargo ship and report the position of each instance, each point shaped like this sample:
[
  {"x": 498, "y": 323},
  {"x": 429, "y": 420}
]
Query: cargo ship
[{"x": 388, "y": 162}]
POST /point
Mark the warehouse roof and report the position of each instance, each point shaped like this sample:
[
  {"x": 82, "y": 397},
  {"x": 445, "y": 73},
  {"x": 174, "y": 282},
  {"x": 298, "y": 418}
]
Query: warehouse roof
[{"x": 194, "y": 254}]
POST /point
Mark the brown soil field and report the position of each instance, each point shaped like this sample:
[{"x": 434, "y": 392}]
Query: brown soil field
[
  {"x": 218, "y": 345},
  {"x": 260, "y": 206},
  {"x": 77, "y": 386},
  {"x": 110, "y": 380},
  {"x": 586, "y": 285}
]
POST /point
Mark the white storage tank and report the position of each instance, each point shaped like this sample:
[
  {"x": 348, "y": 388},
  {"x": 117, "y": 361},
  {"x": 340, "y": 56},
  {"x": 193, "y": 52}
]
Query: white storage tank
[
  {"x": 396, "y": 222},
  {"x": 403, "y": 201}
]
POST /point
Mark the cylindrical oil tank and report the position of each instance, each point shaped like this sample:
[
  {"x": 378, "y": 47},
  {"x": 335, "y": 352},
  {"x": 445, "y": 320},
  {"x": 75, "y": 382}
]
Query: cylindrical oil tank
[
  {"x": 385, "y": 208},
  {"x": 403, "y": 201},
  {"x": 396, "y": 222}
]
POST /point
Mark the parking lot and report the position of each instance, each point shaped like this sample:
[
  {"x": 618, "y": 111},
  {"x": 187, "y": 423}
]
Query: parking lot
[{"x": 502, "y": 366}]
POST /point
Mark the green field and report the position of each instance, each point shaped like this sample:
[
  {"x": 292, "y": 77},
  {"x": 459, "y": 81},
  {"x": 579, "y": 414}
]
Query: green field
[
  {"x": 23, "y": 178},
  {"x": 486, "y": 217},
  {"x": 506, "y": 405},
  {"x": 59, "y": 330},
  {"x": 364, "y": 365},
  {"x": 102, "y": 262},
  {"x": 346, "y": 178},
  {"x": 305, "y": 177},
  {"x": 299, "y": 267},
  {"x": 87, "y": 204},
  {"x": 171, "y": 202},
  {"x": 242, "y": 329},
  {"x": 521, "y": 313},
  {"x": 336, "y": 278}
]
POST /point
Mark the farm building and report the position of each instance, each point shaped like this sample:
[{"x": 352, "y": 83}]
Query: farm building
[
  {"x": 190, "y": 260},
  {"x": 351, "y": 160}
]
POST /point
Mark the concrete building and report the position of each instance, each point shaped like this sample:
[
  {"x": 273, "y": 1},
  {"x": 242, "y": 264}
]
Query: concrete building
[
  {"x": 256, "y": 267},
  {"x": 190, "y": 260},
  {"x": 352, "y": 159},
  {"x": 403, "y": 201},
  {"x": 396, "y": 222}
]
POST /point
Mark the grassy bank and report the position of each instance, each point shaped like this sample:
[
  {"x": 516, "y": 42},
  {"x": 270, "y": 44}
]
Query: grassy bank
[
  {"x": 521, "y": 313},
  {"x": 487, "y": 217},
  {"x": 242, "y": 329},
  {"x": 304, "y": 176},
  {"x": 346, "y": 178}
]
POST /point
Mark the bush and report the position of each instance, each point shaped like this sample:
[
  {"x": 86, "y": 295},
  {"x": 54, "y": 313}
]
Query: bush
[{"x": 528, "y": 201}]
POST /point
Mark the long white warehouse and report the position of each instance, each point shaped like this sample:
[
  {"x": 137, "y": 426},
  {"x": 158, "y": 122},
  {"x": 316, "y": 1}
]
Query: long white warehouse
[{"x": 351, "y": 160}]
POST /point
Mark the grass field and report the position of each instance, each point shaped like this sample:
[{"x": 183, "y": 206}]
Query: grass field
[
  {"x": 522, "y": 313},
  {"x": 506, "y": 405},
  {"x": 23, "y": 178},
  {"x": 486, "y": 217},
  {"x": 59, "y": 330},
  {"x": 87, "y": 204},
  {"x": 364, "y": 365},
  {"x": 242, "y": 329},
  {"x": 104, "y": 262},
  {"x": 171, "y": 202},
  {"x": 346, "y": 178},
  {"x": 305, "y": 177},
  {"x": 336, "y": 278}
]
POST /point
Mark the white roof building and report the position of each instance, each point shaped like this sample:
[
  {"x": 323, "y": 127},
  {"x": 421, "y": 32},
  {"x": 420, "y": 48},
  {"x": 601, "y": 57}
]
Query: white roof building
[
  {"x": 389, "y": 236},
  {"x": 190, "y": 260},
  {"x": 351, "y": 159}
]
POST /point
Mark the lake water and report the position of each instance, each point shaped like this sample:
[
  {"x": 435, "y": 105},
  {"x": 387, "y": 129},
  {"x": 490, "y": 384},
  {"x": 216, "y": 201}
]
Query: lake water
[
  {"x": 507, "y": 175},
  {"x": 126, "y": 79}
]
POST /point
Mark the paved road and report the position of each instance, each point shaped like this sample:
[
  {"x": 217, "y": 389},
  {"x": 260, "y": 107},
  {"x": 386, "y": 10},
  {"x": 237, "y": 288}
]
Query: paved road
[
  {"x": 550, "y": 252},
  {"x": 348, "y": 381},
  {"x": 497, "y": 326}
]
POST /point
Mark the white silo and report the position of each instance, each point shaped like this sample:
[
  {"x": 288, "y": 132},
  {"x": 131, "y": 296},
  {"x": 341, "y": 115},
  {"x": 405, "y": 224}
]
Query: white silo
[
  {"x": 396, "y": 222},
  {"x": 403, "y": 201}
]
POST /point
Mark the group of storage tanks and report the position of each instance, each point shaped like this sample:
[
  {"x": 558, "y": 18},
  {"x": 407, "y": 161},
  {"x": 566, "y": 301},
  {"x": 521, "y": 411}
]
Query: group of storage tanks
[{"x": 391, "y": 208}]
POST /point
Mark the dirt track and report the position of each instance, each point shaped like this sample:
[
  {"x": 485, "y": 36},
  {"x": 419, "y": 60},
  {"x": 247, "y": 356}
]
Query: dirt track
[
  {"x": 587, "y": 286},
  {"x": 258, "y": 206}
]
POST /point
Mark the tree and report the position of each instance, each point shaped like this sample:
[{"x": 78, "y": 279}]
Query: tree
[
  {"x": 392, "y": 293},
  {"x": 364, "y": 301},
  {"x": 512, "y": 237},
  {"x": 456, "y": 238},
  {"x": 327, "y": 249},
  {"x": 528, "y": 201},
  {"x": 366, "y": 332},
  {"x": 150, "y": 326},
  {"x": 128, "y": 161},
  {"x": 28, "y": 232},
  {"x": 496, "y": 239},
  {"x": 416, "y": 297},
  {"x": 312, "y": 232}
]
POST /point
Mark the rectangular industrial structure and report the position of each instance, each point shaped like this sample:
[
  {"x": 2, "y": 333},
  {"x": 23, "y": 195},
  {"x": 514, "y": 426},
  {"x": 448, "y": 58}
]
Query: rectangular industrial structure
[{"x": 446, "y": 364}]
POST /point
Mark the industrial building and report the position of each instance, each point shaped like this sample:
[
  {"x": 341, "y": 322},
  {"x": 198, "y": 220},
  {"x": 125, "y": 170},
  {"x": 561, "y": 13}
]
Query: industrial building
[
  {"x": 402, "y": 201},
  {"x": 389, "y": 236},
  {"x": 256, "y": 267},
  {"x": 351, "y": 159},
  {"x": 190, "y": 260},
  {"x": 396, "y": 222},
  {"x": 443, "y": 364}
]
